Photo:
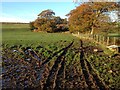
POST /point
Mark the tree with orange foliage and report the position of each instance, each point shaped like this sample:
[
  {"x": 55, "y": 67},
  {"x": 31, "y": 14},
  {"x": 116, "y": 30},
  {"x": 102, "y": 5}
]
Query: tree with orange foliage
[{"x": 89, "y": 16}]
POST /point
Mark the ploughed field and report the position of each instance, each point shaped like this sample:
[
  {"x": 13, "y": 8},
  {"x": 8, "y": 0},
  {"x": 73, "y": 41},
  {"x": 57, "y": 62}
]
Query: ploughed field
[
  {"x": 54, "y": 60},
  {"x": 59, "y": 65}
]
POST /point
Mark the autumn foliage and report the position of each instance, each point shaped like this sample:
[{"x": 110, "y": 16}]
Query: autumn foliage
[
  {"x": 90, "y": 16},
  {"x": 47, "y": 22}
]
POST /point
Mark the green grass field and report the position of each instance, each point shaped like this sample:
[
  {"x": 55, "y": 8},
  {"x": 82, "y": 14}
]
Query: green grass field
[{"x": 15, "y": 34}]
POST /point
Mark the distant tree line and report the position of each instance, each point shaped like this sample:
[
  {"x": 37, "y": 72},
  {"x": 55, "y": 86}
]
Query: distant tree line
[{"x": 13, "y": 23}]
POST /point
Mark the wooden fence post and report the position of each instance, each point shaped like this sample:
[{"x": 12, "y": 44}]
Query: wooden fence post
[
  {"x": 97, "y": 38},
  {"x": 114, "y": 40},
  {"x": 100, "y": 39},
  {"x": 108, "y": 39},
  {"x": 103, "y": 40}
]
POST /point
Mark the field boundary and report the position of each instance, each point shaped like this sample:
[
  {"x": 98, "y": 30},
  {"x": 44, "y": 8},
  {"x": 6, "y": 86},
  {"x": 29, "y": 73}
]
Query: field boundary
[{"x": 106, "y": 41}]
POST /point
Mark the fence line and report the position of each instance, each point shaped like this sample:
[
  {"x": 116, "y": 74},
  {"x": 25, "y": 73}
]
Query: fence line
[
  {"x": 113, "y": 43},
  {"x": 106, "y": 40}
]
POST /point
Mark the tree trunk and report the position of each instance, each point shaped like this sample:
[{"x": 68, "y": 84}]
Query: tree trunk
[{"x": 94, "y": 21}]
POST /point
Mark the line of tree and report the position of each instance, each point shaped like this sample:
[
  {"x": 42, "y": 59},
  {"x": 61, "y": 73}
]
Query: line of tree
[
  {"x": 88, "y": 17},
  {"x": 48, "y": 22}
]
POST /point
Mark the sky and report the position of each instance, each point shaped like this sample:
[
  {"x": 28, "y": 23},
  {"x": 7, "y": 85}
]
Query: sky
[{"x": 28, "y": 11}]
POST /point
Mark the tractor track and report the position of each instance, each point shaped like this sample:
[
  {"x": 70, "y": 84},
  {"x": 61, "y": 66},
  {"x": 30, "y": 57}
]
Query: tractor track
[
  {"x": 54, "y": 54},
  {"x": 42, "y": 70},
  {"x": 86, "y": 73},
  {"x": 51, "y": 80},
  {"x": 60, "y": 76},
  {"x": 91, "y": 78},
  {"x": 98, "y": 81},
  {"x": 79, "y": 74}
]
